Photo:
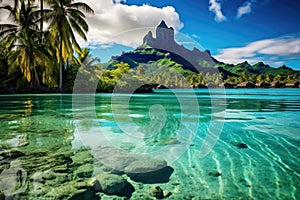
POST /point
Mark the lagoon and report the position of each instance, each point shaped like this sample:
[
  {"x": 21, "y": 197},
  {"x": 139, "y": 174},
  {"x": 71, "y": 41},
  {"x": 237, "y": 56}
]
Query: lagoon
[{"x": 49, "y": 143}]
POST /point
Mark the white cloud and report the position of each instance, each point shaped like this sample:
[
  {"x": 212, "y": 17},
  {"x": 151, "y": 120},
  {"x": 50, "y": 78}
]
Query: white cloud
[
  {"x": 246, "y": 8},
  {"x": 115, "y": 22},
  {"x": 215, "y": 7},
  {"x": 274, "y": 51}
]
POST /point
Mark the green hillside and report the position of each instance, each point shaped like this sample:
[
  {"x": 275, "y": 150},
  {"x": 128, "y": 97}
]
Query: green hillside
[{"x": 207, "y": 70}]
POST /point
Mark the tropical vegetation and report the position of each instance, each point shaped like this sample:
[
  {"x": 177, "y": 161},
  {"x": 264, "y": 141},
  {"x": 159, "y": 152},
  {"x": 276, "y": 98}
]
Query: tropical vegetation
[
  {"x": 32, "y": 56},
  {"x": 40, "y": 52}
]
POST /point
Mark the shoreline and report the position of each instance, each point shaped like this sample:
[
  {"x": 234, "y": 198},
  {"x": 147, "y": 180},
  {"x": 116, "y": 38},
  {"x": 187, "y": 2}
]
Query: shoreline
[{"x": 55, "y": 91}]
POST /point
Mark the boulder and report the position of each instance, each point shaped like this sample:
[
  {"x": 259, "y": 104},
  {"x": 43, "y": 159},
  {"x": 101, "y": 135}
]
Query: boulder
[
  {"x": 149, "y": 170},
  {"x": 113, "y": 184},
  {"x": 161, "y": 175},
  {"x": 12, "y": 153},
  {"x": 23, "y": 144},
  {"x": 167, "y": 193},
  {"x": 145, "y": 165},
  {"x": 81, "y": 158},
  {"x": 156, "y": 192},
  {"x": 85, "y": 171},
  {"x": 214, "y": 173},
  {"x": 239, "y": 145},
  {"x": 94, "y": 184},
  {"x": 141, "y": 168}
]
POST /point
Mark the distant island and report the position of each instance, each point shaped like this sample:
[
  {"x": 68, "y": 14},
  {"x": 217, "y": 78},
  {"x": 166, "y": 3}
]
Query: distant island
[
  {"x": 198, "y": 67},
  {"x": 158, "y": 63}
]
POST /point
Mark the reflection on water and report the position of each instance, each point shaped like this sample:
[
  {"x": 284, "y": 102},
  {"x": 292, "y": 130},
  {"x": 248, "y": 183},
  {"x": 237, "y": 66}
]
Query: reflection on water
[{"x": 47, "y": 144}]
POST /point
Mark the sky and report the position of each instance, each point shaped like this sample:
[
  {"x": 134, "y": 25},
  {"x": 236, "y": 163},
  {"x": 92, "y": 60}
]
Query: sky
[{"x": 233, "y": 30}]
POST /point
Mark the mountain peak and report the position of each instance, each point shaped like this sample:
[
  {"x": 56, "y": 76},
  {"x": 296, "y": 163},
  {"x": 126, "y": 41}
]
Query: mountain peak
[{"x": 162, "y": 24}]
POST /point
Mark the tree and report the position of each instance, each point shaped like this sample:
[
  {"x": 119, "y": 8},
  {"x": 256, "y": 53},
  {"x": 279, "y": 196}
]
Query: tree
[
  {"x": 277, "y": 77},
  {"x": 259, "y": 78},
  {"x": 244, "y": 76},
  {"x": 22, "y": 35},
  {"x": 65, "y": 19},
  {"x": 140, "y": 70}
]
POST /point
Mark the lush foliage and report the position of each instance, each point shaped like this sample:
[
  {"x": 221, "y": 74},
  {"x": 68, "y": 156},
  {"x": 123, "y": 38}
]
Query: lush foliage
[
  {"x": 35, "y": 57},
  {"x": 31, "y": 56}
]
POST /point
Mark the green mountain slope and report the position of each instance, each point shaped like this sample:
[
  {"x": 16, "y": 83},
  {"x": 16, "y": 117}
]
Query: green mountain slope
[{"x": 236, "y": 73}]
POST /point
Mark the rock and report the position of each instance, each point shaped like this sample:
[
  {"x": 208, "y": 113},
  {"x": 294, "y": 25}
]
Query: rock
[
  {"x": 65, "y": 191},
  {"x": 239, "y": 145},
  {"x": 159, "y": 176},
  {"x": 149, "y": 171},
  {"x": 156, "y": 192},
  {"x": 214, "y": 173},
  {"x": 94, "y": 184},
  {"x": 48, "y": 175},
  {"x": 167, "y": 193},
  {"x": 85, "y": 171},
  {"x": 23, "y": 144},
  {"x": 168, "y": 141},
  {"x": 79, "y": 184},
  {"x": 61, "y": 170},
  {"x": 63, "y": 177},
  {"x": 145, "y": 165},
  {"x": 81, "y": 158},
  {"x": 176, "y": 190},
  {"x": 140, "y": 168},
  {"x": 112, "y": 184},
  {"x": 12, "y": 153},
  {"x": 87, "y": 194}
]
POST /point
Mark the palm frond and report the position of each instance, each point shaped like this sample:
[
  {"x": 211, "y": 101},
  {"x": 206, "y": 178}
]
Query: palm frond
[
  {"x": 82, "y": 6},
  {"x": 78, "y": 29}
]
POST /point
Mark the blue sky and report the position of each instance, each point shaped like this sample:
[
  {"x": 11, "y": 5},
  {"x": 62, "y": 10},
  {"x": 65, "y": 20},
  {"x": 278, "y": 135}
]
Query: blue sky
[{"x": 234, "y": 31}]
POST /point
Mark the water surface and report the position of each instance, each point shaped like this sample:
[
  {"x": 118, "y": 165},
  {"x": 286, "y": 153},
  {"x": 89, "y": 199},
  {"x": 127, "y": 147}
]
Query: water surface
[{"x": 47, "y": 131}]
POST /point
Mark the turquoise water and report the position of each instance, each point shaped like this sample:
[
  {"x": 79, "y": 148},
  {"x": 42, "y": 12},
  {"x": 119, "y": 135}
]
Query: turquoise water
[{"x": 193, "y": 130}]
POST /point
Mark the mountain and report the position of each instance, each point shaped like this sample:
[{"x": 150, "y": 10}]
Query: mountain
[{"x": 165, "y": 51}]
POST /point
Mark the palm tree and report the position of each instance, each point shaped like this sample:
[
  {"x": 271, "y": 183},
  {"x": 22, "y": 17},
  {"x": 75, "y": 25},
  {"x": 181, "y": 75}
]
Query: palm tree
[
  {"x": 23, "y": 37},
  {"x": 66, "y": 18}
]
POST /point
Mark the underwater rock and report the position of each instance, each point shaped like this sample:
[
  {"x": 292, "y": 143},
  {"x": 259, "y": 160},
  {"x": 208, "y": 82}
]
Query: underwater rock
[
  {"x": 88, "y": 194},
  {"x": 167, "y": 193},
  {"x": 79, "y": 184},
  {"x": 113, "y": 184},
  {"x": 48, "y": 175},
  {"x": 145, "y": 165},
  {"x": 157, "y": 192},
  {"x": 62, "y": 170},
  {"x": 149, "y": 171},
  {"x": 214, "y": 173},
  {"x": 239, "y": 145},
  {"x": 167, "y": 141},
  {"x": 85, "y": 171},
  {"x": 140, "y": 168},
  {"x": 94, "y": 184},
  {"x": 63, "y": 177},
  {"x": 12, "y": 153},
  {"x": 65, "y": 191},
  {"x": 23, "y": 144},
  {"x": 81, "y": 158}
]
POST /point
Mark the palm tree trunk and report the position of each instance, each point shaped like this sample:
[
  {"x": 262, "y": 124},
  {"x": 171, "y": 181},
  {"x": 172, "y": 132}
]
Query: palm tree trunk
[
  {"x": 60, "y": 75},
  {"x": 60, "y": 67},
  {"x": 42, "y": 19},
  {"x": 36, "y": 77}
]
